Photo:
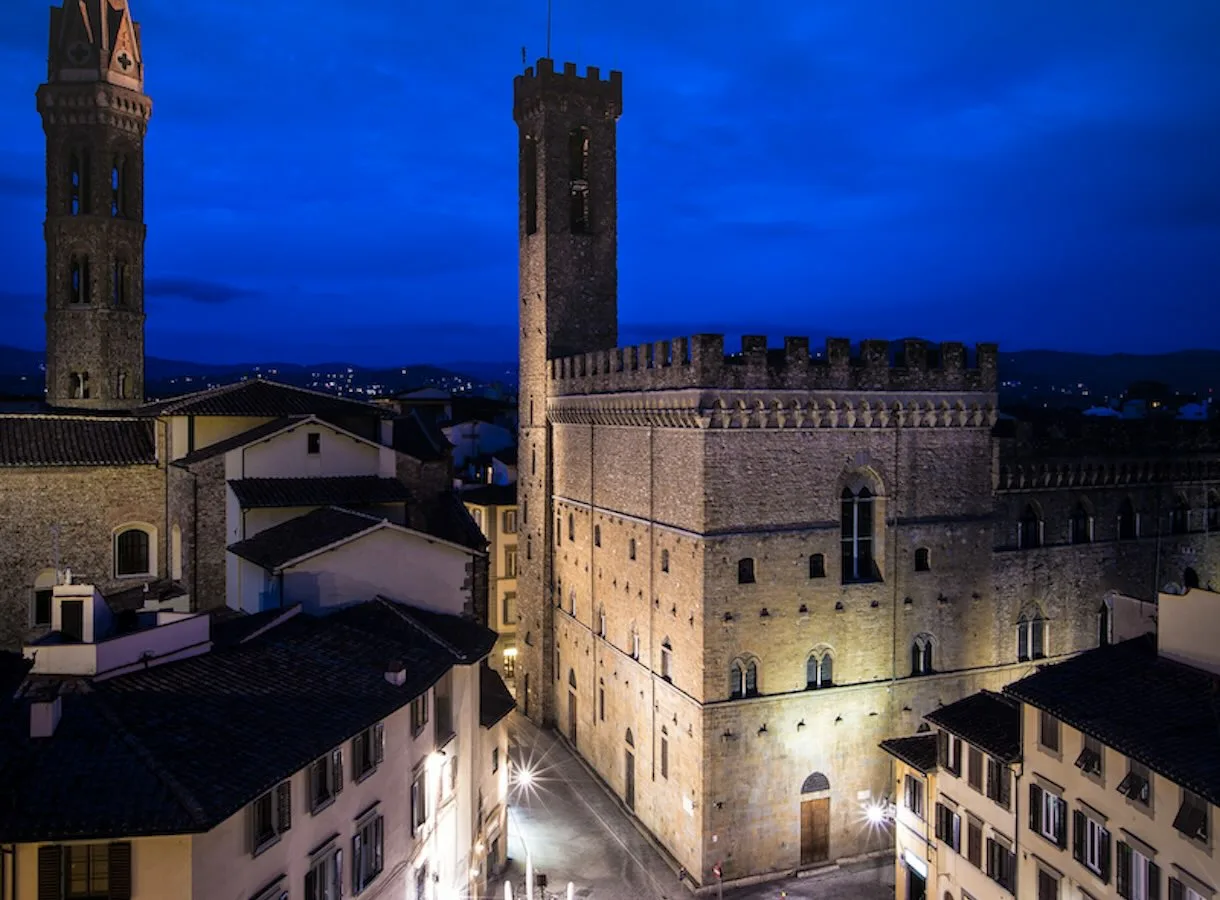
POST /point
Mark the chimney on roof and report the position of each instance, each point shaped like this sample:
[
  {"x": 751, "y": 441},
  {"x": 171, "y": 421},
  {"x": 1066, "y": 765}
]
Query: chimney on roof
[
  {"x": 396, "y": 673},
  {"x": 45, "y": 710}
]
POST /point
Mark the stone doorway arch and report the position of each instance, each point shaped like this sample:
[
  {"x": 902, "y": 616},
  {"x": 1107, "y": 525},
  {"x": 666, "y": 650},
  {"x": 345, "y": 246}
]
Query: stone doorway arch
[{"x": 815, "y": 819}]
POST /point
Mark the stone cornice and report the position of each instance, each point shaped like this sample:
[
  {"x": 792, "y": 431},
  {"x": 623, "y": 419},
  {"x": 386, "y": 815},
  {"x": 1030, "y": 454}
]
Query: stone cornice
[{"x": 726, "y": 409}]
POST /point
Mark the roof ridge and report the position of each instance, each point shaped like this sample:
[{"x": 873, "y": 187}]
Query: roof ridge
[
  {"x": 75, "y": 417},
  {"x": 399, "y": 610},
  {"x": 188, "y": 801}
]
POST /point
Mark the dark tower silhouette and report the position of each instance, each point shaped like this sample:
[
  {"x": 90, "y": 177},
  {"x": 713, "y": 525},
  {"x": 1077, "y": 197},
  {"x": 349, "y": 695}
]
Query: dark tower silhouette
[
  {"x": 568, "y": 225},
  {"x": 95, "y": 114}
]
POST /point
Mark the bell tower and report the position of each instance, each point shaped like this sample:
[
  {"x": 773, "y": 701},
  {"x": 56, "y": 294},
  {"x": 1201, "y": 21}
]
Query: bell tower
[
  {"x": 95, "y": 114},
  {"x": 568, "y": 237}
]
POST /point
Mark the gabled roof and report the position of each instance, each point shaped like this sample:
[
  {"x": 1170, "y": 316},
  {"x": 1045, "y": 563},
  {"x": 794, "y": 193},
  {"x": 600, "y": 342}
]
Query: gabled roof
[
  {"x": 989, "y": 721},
  {"x": 348, "y": 490},
  {"x": 420, "y": 439},
  {"x": 76, "y": 440},
  {"x": 917, "y": 751},
  {"x": 1156, "y": 711},
  {"x": 495, "y": 700},
  {"x": 447, "y": 518},
  {"x": 258, "y": 397},
  {"x": 303, "y": 536},
  {"x": 250, "y": 436},
  {"x": 180, "y": 747},
  {"x": 491, "y": 495}
]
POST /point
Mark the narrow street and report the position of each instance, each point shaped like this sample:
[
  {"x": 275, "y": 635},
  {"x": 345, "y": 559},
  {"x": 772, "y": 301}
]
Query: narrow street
[{"x": 574, "y": 830}]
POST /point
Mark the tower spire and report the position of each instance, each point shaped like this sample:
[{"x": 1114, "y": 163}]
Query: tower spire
[{"x": 95, "y": 40}]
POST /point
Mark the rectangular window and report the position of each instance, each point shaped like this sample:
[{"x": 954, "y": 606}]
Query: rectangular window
[
  {"x": 974, "y": 842},
  {"x": 270, "y": 816},
  {"x": 999, "y": 782},
  {"x": 419, "y": 800},
  {"x": 974, "y": 768},
  {"x": 368, "y": 750},
  {"x": 1136, "y": 876},
  {"x": 510, "y": 562},
  {"x": 1048, "y": 815},
  {"x": 949, "y": 827},
  {"x": 1091, "y": 757},
  {"x": 443, "y": 692},
  {"x": 40, "y": 611},
  {"x": 665, "y": 757},
  {"x": 367, "y": 852},
  {"x": 419, "y": 714},
  {"x": 325, "y": 779},
  {"x": 1048, "y": 731},
  {"x": 950, "y": 752},
  {"x": 313, "y": 443},
  {"x": 1091, "y": 845},
  {"x": 510, "y": 521},
  {"x": 1179, "y": 890},
  {"x": 1137, "y": 785},
  {"x": 495, "y": 760},
  {"x": 324, "y": 880},
  {"x": 912, "y": 792},
  {"x": 666, "y": 663},
  {"x": 1001, "y": 864},
  {"x": 1048, "y": 885},
  {"x": 510, "y": 608},
  {"x": 1191, "y": 820},
  {"x": 90, "y": 871}
]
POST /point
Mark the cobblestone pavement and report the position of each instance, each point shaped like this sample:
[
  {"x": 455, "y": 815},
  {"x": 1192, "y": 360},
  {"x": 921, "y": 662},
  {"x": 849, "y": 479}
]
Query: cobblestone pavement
[{"x": 575, "y": 830}]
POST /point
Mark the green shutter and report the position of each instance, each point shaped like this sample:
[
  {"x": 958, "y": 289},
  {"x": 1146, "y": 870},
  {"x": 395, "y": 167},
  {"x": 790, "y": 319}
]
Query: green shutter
[
  {"x": 120, "y": 871},
  {"x": 50, "y": 872}
]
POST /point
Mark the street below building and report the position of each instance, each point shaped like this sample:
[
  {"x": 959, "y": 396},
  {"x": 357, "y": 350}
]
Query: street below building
[{"x": 574, "y": 830}]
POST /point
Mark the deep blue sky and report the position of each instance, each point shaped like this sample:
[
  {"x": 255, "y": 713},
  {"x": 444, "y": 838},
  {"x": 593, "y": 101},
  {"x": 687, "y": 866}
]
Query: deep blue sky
[{"x": 338, "y": 180}]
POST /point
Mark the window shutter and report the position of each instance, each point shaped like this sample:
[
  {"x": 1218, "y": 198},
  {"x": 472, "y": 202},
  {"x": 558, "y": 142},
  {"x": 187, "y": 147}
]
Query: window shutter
[
  {"x": 337, "y": 876},
  {"x": 357, "y": 753},
  {"x": 1154, "y": 881},
  {"x": 1176, "y": 890},
  {"x": 1122, "y": 877},
  {"x": 336, "y": 768},
  {"x": 1105, "y": 857},
  {"x": 50, "y": 872},
  {"x": 942, "y": 744},
  {"x": 1078, "y": 829},
  {"x": 356, "y": 844},
  {"x": 1063, "y": 825},
  {"x": 283, "y": 806},
  {"x": 120, "y": 871},
  {"x": 940, "y": 821},
  {"x": 378, "y": 842},
  {"x": 378, "y": 743},
  {"x": 1005, "y": 787},
  {"x": 1035, "y": 809}
]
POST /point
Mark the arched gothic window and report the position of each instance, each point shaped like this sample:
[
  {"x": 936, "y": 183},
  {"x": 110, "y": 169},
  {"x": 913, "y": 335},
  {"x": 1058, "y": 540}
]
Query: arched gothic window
[
  {"x": 743, "y": 679},
  {"x": 118, "y": 188},
  {"x": 133, "y": 551},
  {"x": 80, "y": 289},
  {"x": 78, "y": 385},
  {"x": 1031, "y": 636},
  {"x": 1128, "y": 521},
  {"x": 819, "y": 669},
  {"x": 817, "y": 565},
  {"x": 857, "y": 535},
  {"x": 78, "y": 183},
  {"x": 1179, "y": 517},
  {"x": 1029, "y": 529},
  {"x": 923, "y": 559},
  {"x": 921, "y": 655},
  {"x": 1081, "y": 525}
]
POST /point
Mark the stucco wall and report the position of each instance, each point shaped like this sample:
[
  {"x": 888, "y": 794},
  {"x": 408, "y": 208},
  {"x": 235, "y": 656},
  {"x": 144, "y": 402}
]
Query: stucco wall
[
  {"x": 161, "y": 867},
  {"x": 287, "y": 455}
]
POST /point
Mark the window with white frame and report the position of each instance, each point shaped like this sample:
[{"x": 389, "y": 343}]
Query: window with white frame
[
  {"x": 510, "y": 561},
  {"x": 325, "y": 779},
  {"x": 1179, "y": 889},
  {"x": 949, "y": 752},
  {"x": 510, "y": 608},
  {"x": 856, "y": 528},
  {"x": 419, "y": 799},
  {"x": 324, "y": 880},
  {"x": 510, "y": 521},
  {"x": 1137, "y": 877},
  {"x": 368, "y": 750},
  {"x": 949, "y": 827},
  {"x": 1137, "y": 783},
  {"x": 367, "y": 851},
  {"x": 1001, "y": 863},
  {"x": 1048, "y": 815},
  {"x": 1091, "y": 844},
  {"x": 912, "y": 795}
]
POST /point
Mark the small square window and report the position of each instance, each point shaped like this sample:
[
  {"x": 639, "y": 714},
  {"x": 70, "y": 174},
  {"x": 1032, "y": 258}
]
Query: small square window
[
  {"x": 1048, "y": 731},
  {"x": 313, "y": 442},
  {"x": 368, "y": 750}
]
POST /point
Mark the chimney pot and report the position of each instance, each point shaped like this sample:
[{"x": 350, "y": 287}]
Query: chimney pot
[
  {"x": 44, "y": 716},
  {"x": 396, "y": 673}
]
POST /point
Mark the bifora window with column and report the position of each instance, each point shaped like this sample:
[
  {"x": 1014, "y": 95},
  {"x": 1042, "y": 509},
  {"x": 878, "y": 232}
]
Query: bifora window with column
[
  {"x": 858, "y": 510},
  {"x": 78, "y": 183}
]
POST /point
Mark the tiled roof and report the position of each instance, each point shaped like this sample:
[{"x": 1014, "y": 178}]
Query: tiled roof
[
  {"x": 420, "y": 439},
  {"x": 258, "y": 397},
  {"x": 447, "y": 518},
  {"x": 989, "y": 721},
  {"x": 240, "y": 440},
  {"x": 491, "y": 495},
  {"x": 180, "y": 747},
  {"x": 354, "y": 490},
  {"x": 155, "y": 591},
  {"x": 54, "y": 440},
  {"x": 918, "y": 750},
  {"x": 495, "y": 701},
  {"x": 303, "y": 535},
  {"x": 1156, "y": 711}
]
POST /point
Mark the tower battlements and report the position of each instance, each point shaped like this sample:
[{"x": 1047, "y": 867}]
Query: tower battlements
[
  {"x": 542, "y": 86},
  {"x": 700, "y": 361}
]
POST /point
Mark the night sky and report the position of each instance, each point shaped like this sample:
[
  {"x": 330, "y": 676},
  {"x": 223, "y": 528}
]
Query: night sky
[{"x": 338, "y": 180}]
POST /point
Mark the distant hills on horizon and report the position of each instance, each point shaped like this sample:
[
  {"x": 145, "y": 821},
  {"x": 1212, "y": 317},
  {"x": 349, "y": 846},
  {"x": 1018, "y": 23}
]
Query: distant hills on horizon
[{"x": 1054, "y": 377}]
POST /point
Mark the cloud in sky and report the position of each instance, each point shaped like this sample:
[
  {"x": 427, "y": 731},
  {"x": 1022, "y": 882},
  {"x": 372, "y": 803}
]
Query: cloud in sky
[{"x": 1035, "y": 173}]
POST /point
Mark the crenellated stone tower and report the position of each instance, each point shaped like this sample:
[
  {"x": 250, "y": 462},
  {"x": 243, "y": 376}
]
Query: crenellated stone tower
[
  {"x": 95, "y": 114},
  {"x": 569, "y": 304}
]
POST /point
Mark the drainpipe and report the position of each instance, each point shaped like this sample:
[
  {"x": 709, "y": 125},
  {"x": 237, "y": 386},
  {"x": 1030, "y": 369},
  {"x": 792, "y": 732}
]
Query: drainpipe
[{"x": 1016, "y": 817}]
